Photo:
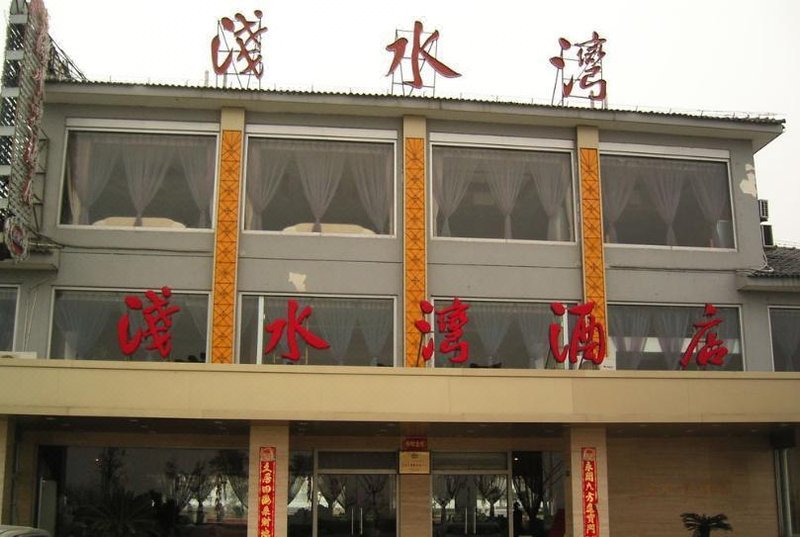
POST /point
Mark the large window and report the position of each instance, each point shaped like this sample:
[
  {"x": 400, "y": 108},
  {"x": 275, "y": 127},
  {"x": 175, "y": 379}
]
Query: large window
[
  {"x": 785, "y": 328},
  {"x": 476, "y": 494},
  {"x": 8, "y": 312},
  {"x": 508, "y": 335},
  {"x": 93, "y": 491},
  {"x": 85, "y": 326},
  {"x": 666, "y": 202},
  {"x": 319, "y": 186},
  {"x": 137, "y": 179},
  {"x": 288, "y": 330},
  {"x": 502, "y": 194},
  {"x": 657, "y": 337}
]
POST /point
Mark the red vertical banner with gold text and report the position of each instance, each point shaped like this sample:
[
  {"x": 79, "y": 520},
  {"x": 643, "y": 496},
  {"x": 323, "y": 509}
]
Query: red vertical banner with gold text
[
  {"x": 591, "y": 520},
  {"x": 266, "y": 492}
]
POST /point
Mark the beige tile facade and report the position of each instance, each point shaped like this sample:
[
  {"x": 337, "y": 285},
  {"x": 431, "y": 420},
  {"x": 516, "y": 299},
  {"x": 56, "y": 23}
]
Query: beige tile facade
[{"x": 651, "y": 481}]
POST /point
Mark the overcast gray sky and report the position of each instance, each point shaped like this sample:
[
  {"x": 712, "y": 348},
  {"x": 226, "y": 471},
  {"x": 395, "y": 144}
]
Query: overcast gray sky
[{"x": 683, "y": 54}]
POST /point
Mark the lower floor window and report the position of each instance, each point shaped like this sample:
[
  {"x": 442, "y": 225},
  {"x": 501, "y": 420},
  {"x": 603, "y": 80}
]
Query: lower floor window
[
  {"x": 8, "y": 310},
  {"x": 313, "y": 330},
  {"x": 660, "y": 337},
  {"x": 508, "y": 335},
  {"x": 96, "y": 491},
  {"x": 86, "y": 326},
  {"x": 785, "y": 330}
]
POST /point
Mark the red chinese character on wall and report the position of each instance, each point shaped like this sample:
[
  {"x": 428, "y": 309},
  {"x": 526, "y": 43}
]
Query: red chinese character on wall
[
  {"x": 713, "y": 351},
  {"x": 419, "y": 51},
  {"x": 450, "y": 322},
  {"x": 236, "y": 49},
  {"x": 294, "y": 327},
  {"x": 588, "y": 72},
  {"x": 157, "y": 319},
  {"x": 587, "y": 340}
]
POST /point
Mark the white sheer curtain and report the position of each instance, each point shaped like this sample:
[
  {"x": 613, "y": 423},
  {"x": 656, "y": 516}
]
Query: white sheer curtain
[
  {"x": 321, "y": 166},
  {"x": 629, "y": 330},
  {"x": 453, "y": 169},
  {"x": 534, "y": 324},
  {"x": 710, "y": 187},
  {"x": 80, "y": 318},
  {"x": 267, "y": 161},
  {"x": 196, "y": 157},
  {"x": 336, "y": 319},
  {"x": 664, "y": 183},
  {"x": 491, "y": 322},
  {"x": 146, "y": 160},
  {"x": 552, "y": 178},
  {"x": 372, "y": 169},
  {"x": 375, "y": 321},
  {"x": 673, "y": 328},
  {"x": 619, "y": 180},
  {"x": 92, "y": 157},
  {"x": 506, "y": 178},
  {"x": 786, "y": 339}
]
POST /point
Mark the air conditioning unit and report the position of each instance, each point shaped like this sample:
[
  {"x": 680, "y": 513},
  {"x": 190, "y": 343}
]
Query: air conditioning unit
[
  {"x": 763, "y": 210},
  {"x": 767, "y": 239}
]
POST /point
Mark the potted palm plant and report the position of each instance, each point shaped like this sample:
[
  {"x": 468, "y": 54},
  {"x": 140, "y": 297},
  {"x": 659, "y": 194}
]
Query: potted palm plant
[{"x": 703, "y": 525}]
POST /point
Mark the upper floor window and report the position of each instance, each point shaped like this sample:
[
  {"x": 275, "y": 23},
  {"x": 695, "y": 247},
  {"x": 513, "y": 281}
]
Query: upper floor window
[
  {"x": 8, "y": 313},
  {"x": 287, "y": 330},
  {"x": 85, "y": 327},
  {"x": 785, "y": 329},
  {"x": 319, "y": 186},
  {"x": 656, "y": 337},
  {"x": 666, "y": 201},
  {"x": 139, "y": 179},
  {"x": 502, "y": 193}
]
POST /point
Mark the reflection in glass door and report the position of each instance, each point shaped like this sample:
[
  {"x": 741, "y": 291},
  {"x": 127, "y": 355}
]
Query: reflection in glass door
[
  {"x": 356, "y": 504},
  {"x": 470, "y": 504}
]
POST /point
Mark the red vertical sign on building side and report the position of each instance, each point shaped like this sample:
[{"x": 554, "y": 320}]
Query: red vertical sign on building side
[
  {"x": 266, "y": 492},
  {"x": 591, "y": 520}
]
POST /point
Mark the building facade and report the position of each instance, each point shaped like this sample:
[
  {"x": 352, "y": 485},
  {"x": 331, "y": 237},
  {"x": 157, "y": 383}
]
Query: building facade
[{"x": 284, "y": 242}]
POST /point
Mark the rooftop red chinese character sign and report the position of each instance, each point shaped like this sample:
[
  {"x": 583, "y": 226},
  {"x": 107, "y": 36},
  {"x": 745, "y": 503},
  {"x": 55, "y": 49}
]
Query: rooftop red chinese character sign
[
  {"x": 422, "y": 55},
  {"x": 236, "y": 50},
  {"x": 580, "y": 62}
]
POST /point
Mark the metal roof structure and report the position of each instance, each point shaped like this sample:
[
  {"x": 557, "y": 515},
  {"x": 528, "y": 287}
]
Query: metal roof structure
[{"x": 738, "y": 117}]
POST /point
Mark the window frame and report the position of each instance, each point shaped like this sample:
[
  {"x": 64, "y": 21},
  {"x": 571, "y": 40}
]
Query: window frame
[
  {"x": 122, "y": 291},
  {"x": 738, "y": 307},
  {"x": 771, "y": 343},
  {"x": 322, "y": 134},
  {"x": 516, "y": 143},
  {"x": 131, "y": 126},
  {"x": 562, "y": 366},
  {"x": 17, "y": 289},
  {"x": 691, "y": 154},
  {"x": 260, "y": 336}
]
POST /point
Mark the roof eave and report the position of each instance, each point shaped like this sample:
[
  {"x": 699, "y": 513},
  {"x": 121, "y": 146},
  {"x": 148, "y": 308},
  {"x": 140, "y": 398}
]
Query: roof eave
[{"x": 760, "y": 132}]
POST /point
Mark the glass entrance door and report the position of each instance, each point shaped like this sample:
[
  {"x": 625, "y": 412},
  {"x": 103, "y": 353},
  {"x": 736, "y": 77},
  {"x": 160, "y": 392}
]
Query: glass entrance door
[
  {"x": 356, "y": 504},
  {"x": 465, "y": 504}
]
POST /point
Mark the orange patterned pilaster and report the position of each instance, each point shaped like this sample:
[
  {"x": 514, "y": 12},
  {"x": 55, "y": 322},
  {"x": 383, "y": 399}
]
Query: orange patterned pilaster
[
  {"x": 226, "y": 248},
  {"x": 594, "y": 276},
  {"x": 415, "y": 258}
]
